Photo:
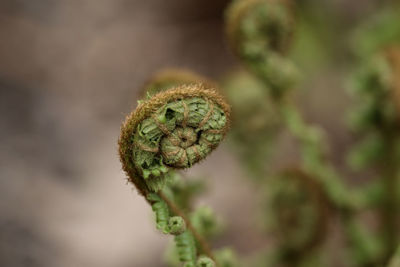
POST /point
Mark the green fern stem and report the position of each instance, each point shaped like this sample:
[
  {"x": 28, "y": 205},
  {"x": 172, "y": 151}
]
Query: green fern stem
[
  {"x": 365, "y": 248},
  {"x": 314, "y": 160},
  {"x": 186, "y": 236},
  {"x": 347, "y": 203},
  {"x": 203, "y": 245}
]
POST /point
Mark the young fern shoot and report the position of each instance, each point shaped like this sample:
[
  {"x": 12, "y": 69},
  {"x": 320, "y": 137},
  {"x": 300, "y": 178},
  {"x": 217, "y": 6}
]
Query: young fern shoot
[
  {"x": 172, "y": 130},
  {"x": 260, "y": 33}
]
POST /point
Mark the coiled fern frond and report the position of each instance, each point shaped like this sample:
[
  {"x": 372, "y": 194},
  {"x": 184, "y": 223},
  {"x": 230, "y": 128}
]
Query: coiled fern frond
[
  {"x": 299, "y": 211},
  {"x": 260, "y": 32},
  {"x": 174, "y": 129}
]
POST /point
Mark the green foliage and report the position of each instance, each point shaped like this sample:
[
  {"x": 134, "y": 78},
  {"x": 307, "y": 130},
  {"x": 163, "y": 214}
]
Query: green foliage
[
  {"x": 186, "y": 248},
  {"x": 181, "y": 122},
  {"x": 249, "y": 31},
  {"x": 161, "y": 211}
]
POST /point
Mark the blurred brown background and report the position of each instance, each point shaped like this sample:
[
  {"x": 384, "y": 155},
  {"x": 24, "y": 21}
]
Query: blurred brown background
[{"x": 70, "y": 70}]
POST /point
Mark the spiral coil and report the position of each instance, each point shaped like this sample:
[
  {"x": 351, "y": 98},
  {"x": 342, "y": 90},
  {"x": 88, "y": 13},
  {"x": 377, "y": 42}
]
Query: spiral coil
[
  {"x": 174, "y": 129},
  {"x": 300, "y": 208},
  {"x": 260, "y": 32}
]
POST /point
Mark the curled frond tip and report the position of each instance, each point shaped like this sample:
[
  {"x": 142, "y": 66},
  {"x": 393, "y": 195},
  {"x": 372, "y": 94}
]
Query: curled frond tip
[{"x": 174, "y": 129}]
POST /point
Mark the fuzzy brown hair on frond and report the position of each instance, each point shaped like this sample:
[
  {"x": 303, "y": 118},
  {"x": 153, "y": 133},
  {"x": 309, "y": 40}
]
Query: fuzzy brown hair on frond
[
  {"x": 172, "y": 77},
  {"x": 174, "y": 129}
]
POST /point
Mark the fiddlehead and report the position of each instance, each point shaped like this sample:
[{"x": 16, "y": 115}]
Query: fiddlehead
[
  {"x": 260, "y": 32},
  {"x": 299, "y": 210},
  {"x": 268, "y": 25},
  {"x": 174, "y": 129},
  {"x": 177, "y": 225}
]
